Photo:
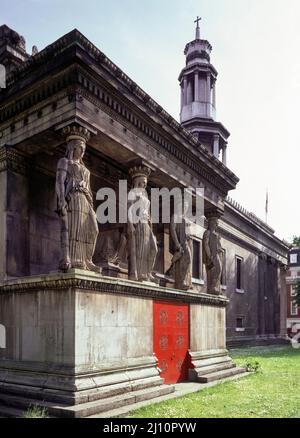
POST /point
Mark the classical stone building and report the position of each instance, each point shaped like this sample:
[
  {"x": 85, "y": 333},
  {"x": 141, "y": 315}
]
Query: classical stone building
[{"x": 94, "y": 334}]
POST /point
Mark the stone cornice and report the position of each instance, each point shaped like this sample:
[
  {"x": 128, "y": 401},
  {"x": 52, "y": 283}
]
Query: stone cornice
[
  {"x": 254, "y": 244},
  {"x": 249, "y": 216},
  {"x": 87, "y": 281},
  {"x": 195, "y": 42},
  {"x": 74, "y": 40},
  {"x": 121, "y": 112},
  {"x": 198, "y": 66},
  {"x": 207, "y": 125},
  {"x": 12, "y": 159},
  {"x": 255, "y": 222}
]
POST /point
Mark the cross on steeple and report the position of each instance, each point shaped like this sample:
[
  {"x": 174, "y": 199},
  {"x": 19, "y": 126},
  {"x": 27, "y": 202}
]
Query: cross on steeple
[{"x": 198, "y": 27}]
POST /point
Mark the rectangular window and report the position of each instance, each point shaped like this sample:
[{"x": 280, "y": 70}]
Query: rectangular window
[
  {"x": 240, "y": 322},
  {"x": 294, "y": 309},
  {"x": 196, "y": 259},
  {"x": 293, "y": 291},
  {"x": 239, "y": 273},
  {"x": 293, "y": 258}
]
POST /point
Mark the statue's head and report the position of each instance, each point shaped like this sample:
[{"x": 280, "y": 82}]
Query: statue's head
[
  {"x": 139, "y": 176},
  {"x": 76, "y": 149},
  {"x": 213, "y": 223},
  {"x": 140, "y": 182},
  {"x": 76, "y": 137}
]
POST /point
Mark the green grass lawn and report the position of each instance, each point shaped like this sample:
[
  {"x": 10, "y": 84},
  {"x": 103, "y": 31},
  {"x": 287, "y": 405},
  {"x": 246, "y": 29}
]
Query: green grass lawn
[{"x": 273, "y": 391}]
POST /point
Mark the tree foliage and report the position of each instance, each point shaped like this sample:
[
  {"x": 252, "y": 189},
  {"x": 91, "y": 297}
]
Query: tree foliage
[{"x": 296, "y": 241}]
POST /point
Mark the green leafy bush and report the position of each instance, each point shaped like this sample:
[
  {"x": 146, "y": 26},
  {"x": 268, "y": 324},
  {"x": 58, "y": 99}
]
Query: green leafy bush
[{"x": 253, "y": 366}]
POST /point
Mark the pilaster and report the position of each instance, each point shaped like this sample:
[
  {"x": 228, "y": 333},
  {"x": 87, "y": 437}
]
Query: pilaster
[
  {"x": 14, "y": 221},
  {"x": 216, "y": 146}
]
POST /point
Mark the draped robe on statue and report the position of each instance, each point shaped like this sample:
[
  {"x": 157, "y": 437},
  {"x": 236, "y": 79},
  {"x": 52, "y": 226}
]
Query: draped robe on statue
[
  {"x": 142, "y": 243},
  {"x": 81, "y": 226}
]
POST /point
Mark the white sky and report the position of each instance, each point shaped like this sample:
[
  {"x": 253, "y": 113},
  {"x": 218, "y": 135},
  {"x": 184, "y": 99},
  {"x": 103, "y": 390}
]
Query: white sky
[{"x": 256, "y": 50}]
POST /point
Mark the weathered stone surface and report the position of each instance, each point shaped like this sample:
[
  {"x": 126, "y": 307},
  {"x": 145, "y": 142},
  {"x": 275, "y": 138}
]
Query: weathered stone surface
[
  {"x": 211, "y": 365},
  {"x": 12, "y": 406},
  {"x": 207, "y": 327},
  {"x": 93, "y": 336}
]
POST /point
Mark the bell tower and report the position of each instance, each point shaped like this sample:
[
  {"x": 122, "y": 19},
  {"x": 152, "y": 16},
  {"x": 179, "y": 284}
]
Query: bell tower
[{"x": 198, "y": 97}]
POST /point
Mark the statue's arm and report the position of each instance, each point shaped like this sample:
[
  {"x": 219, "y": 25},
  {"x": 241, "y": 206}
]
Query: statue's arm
[
  {"x": 89, "y": 183},
  {"x": 61, "y": 175},
  {"x": 131, "y": 227}
]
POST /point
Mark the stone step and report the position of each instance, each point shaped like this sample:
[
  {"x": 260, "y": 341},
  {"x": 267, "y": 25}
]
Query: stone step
[
  {"x": 10, "y": 412},
  {"x": 22, "y": 403},
  {"x": 211, "y": 377},
  {"x": 216, "y": 367},
  {"x": 92, "y": 408},
  {"x": 16, "y": 404},
  {"x": 199, "y": 363}
]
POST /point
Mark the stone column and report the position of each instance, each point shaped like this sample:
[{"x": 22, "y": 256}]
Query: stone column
[
  {"x": 185, "y": 90},
  {"x": 208, "y": 89},
  {"x": 262, "y": 273},
  {"x": 196, "y": 94},
  {"x": 216, "y": 145},
  {"x": 224, "y": 157},
  {"x": 214, "y": 95},
  {"x": 281, "y": 273},
  {"x": 181, "y": 95},
  {"x": 190, "y": 92}
]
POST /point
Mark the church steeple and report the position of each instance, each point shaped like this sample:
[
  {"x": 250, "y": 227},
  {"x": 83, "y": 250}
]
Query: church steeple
[
  {"x": 197, "y": 28},
  {"x": 198, "y": 96}
]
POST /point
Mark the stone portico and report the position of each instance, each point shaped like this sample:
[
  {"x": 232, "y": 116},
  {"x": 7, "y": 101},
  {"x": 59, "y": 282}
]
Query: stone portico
[
  {"x": 74, "y": 339},
  {"x": 83, "y": 342}
]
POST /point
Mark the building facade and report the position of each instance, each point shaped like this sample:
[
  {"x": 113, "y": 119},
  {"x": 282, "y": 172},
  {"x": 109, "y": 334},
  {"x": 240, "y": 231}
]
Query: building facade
[
  {"x": 119, "y": 112},
  {"x": 95, "y": 335},
  {"x": 293, "y": 277}
]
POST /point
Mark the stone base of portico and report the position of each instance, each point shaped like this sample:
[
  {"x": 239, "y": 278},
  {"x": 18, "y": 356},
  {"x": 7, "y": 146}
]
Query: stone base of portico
[{"x": 79, "y": 343}]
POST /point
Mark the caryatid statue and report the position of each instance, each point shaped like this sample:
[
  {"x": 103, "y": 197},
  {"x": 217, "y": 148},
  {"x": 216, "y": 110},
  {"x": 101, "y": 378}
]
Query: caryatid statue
[
  {"x": 79, "y": 227},
  {"x": 183, "y": 256},
  {"x": 212, "y": 256},
  {"x": 142, "y": 245}
]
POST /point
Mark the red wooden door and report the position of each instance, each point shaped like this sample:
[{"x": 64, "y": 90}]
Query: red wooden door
[{"x": 171, "y": 340}]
